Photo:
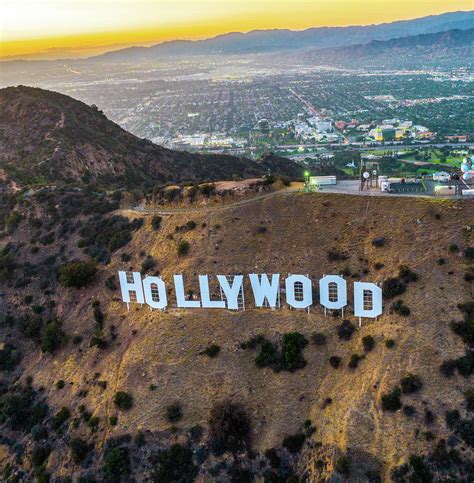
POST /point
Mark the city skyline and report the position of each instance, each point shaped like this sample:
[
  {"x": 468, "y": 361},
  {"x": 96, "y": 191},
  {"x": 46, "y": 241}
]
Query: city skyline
[{"x": 80, "y": 28}]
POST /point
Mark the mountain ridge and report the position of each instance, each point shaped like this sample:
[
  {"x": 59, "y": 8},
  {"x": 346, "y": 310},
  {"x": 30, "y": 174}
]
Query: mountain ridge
[
  {"x": 285, "y": 39},
  {"x": 47, "y": 137}
]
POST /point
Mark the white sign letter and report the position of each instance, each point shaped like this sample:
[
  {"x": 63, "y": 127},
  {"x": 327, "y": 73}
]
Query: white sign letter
[
  {"x": 262, "y": 289},
  {"x": 206, "y": 301},
  {"x": 367, "y": 300},
  {"x": 231, "y": 292},
  {"x": 333, "y": 292},
  {"x": 154, "y": 286},
  {"x": 180, "y": 297},
  {"x": 136, "y": 286},
  {"x": 305, "y": 295}
]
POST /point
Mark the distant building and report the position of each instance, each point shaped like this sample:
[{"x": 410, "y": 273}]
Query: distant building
[
  {"x": 264, "y": 126},
  {"x": 459, "y": 138},
  {"x": 324, "y": 126}
]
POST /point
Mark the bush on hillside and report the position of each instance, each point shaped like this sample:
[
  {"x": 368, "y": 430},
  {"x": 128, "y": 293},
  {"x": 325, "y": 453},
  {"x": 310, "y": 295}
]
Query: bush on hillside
[
  {"x": 53, "y": 337},
  {"x": 212, "y": 351},
  {"x": 79, "y": 450},
  {"x": 229, "y": 428},
  {"x": 392, "y": 287},
  {"x": 391, "y": 401},
  {"x": 345, "y": 330},
  {"x": 410, "y": 383},
  {"x": 174, "y": 464},
  {"x": 174, "y": 412},
  {"x": 368, "y": 342},
  {"x": 293, "y": 344},
  {"x": 293, "y": 443},
  {"x": 77, "y": 274},
  {"x": 116, "y": 464},
  {"x": 156, "y": 222},
  {"x": 406, "y": 274},
  {"x": 399, "y": 307},
  {"x": 335, "y": 361},
  {"x": 183, "y": 248},
  {"x": 123, "y": 400},
  {"x": 10, "y": 357}
]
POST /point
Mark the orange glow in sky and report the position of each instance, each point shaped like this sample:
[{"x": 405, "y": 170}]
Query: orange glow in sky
[{"x": 93, "y": 26}]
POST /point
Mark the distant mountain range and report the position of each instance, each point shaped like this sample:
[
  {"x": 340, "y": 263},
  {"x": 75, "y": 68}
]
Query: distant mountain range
[
  {"x": 50, "y": 138},
  {"x": 259, "y": 41},
  {"x": 417, "y": 48}
]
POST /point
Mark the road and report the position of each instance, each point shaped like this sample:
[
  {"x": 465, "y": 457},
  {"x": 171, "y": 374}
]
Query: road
[
  {"x": 386, "y": 147},
  {"x": 344, "y": 187}
]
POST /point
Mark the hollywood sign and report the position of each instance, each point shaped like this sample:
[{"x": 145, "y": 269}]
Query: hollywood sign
[{"x": 266, "y": 290}]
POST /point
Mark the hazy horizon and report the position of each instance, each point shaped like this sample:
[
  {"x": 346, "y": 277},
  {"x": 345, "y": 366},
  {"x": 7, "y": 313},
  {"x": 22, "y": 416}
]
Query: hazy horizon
[{"x": 80, "y": 28}]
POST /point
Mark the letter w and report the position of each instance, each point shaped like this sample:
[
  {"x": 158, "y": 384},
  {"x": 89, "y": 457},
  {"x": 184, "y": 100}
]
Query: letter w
[{"x": 264, "y": 290}]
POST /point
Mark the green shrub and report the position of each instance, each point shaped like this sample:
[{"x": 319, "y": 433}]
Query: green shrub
[
  {"x": 368, "y": 342},
  {"x": 113, "y": 420},
  {"x": 183, "y": 248},
  {"x": 469, "y": 275},
  {"x": 268, "y": 355},
  {"x": 60, "y": 418},
  {"x": 293, "y": 344},
  {"x": 345, "y": 330},
  {"x": 293, "y": 443},
  {"x": 354, "y": 361},
  {"x": 212, "y": 351},
  {"x": 469, "y": 253},
  {"x": 175, "y": 464},
  {"x": 392, "y": 287},
  {"x": 39, "y": 455},
  {"x": 335, "y": 361},
  {"x": 469, "y": 396},
  {"x": 60, "y": 384},
  {"x": 379, "y": 241},
  {"x": 156, "y": 222},
  {"x": 400, "y": 308},
  {"x": 174, "y": 412},
  {"x": 79, "y": 450},
  {"x": 111, "y": 283},
  {"x": 38, "y": 432},
  {"x": 343, "y": 466},
  {"x": 12, "y": 221},
  {"x": 53, "y": 337},
  {"x": 448, "y": 368},
  {"x": 453, "y": 248},
  {"x": 9, "y": 357},
  {"x": 406, "y": 274},
  {"x": 207, "y": 189},
  {"x": 229, "y": 428},
  {"x": 391, "y": 401},
  {"x": 148, "y": 263},
  {"x": 123, "y": 400},
  {"x": 116, "y": 463},
  {"x": 410, "y": 383},
  {"x": 77, "y": 274}
]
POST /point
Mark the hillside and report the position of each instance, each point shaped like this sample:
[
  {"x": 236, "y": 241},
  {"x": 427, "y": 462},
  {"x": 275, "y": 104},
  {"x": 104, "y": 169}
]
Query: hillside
[
  {"x": 73, "y": 349},
  {"x": 259, "y": 41},
  {"x": 50, "y": 138}
]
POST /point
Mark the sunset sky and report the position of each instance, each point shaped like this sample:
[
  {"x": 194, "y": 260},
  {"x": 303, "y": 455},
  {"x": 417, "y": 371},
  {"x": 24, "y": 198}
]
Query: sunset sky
[{"x": 92, "y": 26}]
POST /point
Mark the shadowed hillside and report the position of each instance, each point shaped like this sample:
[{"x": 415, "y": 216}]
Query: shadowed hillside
[{"x": 50, "y": 138}]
